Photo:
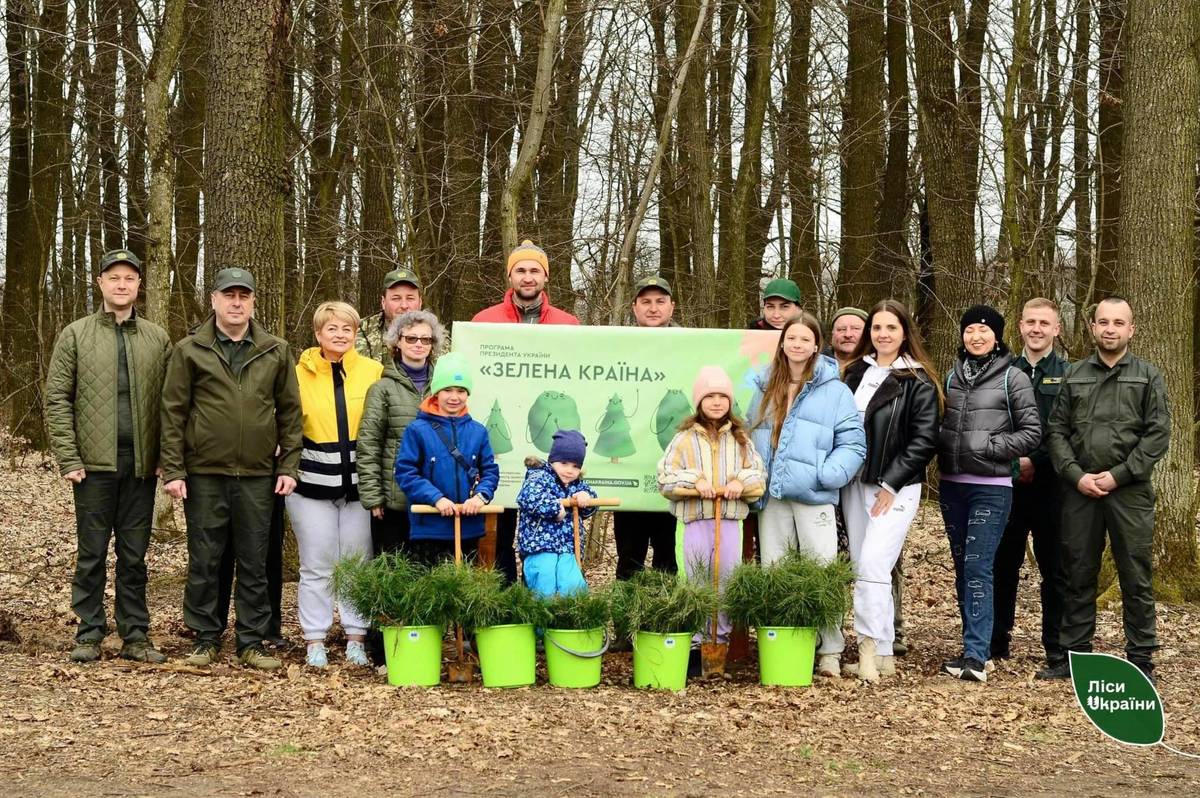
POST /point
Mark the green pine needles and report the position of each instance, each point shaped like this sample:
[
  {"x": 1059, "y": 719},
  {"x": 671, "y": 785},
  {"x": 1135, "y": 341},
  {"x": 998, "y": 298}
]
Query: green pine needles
[
  {"x": 794, "y": 591},
  {"x": 583, "y": 609},
  {"x": 654, "y": 601},
  {"x": 486, "y": 603},
  {"x": 394, "y": 591}
]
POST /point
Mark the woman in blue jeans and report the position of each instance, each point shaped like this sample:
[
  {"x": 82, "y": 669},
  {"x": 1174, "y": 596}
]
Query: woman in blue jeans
[{"x": 991, "y": 420}]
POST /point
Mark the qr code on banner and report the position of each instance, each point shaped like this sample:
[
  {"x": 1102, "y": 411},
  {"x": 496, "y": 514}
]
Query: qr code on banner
[{"x": 650, "y": 483}]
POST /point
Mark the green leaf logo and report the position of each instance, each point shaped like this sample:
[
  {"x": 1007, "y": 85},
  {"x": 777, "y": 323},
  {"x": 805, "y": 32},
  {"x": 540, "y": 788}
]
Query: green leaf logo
[{"x": 1118, "y": 698}]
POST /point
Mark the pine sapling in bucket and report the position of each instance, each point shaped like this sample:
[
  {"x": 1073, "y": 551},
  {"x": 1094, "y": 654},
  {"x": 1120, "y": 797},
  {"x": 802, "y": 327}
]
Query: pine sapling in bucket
[
  {"x": 577, "y": 637},
  {"x": 662, "y": 611},
  {"x": 787, "y": 602},
  {"x": 503, "y": 620}
]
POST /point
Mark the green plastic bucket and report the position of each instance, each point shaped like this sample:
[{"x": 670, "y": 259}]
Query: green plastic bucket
[
  {"x": 574, "y": 656},
  {"x": 661, "y": 660},
  {"x": 507, "y": 655},
  {"x": 413, "y": 655},
  {"x": 785, "y": 655}
]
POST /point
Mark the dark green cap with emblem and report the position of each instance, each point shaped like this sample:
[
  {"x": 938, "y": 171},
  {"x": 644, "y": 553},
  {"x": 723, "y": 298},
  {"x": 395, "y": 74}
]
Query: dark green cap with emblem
[
  {"x": 401, "y": 276},
  {"x": 233, "y": 277},
  {"x": 651, "y": 282},
  {"x": 115, "y": 257}
]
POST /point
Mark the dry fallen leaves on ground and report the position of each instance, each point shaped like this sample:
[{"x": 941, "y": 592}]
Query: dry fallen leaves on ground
[{"x": 118, "y": 728}]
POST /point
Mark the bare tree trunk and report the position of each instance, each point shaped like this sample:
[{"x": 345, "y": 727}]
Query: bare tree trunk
[
  {"x": 104, "y": 84},
  {"x": 377, "y": 166},
  {"x": 246, "y": 180},
  {"x": 496, "y": 111},
  {"x": 861, "y": 282},
  {"x": 804, "y": 261},
  {"x": 1109, "y": 142},
  {"x": 15, "y": 319},
  {"x": 949, "y": 141},
  {"x": 1081, "y": 189},
  {"x": 188, "y": 134},
  {"x": 891, "y": 239},
  {"x": 531, "y": 138},
  {"x": 1157, "y": 237},
  {"x": 159, "y": 255},
  {"x": 746, "y": 210},
  {"x": 134, "y": 122}
]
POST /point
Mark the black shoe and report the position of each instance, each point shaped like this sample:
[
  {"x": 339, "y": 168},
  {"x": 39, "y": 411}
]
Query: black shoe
[
  {"x": 1054, "y": 670},
  {"x": 1147, "y": 668},
  {"x": 954, "y": 667},
  {"x": 1001, "y": 653},
  {"x": 695, "y": 667},
  {"x": 973, "y": 670},
  {"x": 899, "y": 648}
]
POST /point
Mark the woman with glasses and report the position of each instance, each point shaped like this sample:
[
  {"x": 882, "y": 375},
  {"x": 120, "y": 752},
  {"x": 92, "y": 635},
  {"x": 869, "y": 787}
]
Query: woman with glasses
[{"x": 413, "y": 339}]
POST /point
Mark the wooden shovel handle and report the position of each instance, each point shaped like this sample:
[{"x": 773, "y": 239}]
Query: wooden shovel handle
[
  {"x": 429, "y": 509},
  {"x": 749, "y": 494}
]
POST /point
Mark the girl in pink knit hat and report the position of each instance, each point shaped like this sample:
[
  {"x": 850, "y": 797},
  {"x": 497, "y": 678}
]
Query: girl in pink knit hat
[{"x": 711, "y": 451}]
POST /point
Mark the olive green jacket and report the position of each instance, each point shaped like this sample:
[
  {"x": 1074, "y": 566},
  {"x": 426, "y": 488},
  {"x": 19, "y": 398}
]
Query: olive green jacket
[
  {"x": 81, "y": 392},
  {"x": 391, "y": 405},
  {"x": 1110, "y": 419},
  {"x": 217, "y": 423}
]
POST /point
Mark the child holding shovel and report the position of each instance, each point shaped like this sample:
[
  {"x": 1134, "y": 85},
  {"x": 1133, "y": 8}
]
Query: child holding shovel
[
  {"x": 545, "y": 530},
  {"x": 711, "y": 451},
  {"x": 445, "y": 460}
]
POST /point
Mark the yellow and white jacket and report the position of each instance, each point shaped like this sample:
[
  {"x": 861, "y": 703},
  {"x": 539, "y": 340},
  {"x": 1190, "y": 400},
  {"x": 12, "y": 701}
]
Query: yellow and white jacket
[
  {"x": 333, "y": 406},
  {"x": 693, "y": 454}
]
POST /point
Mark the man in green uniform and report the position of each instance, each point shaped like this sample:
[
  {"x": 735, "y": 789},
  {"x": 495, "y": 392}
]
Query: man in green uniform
[
  {"x": 102, "y": 390},
  {"x": 231, "y": 439},
  {"x": 401, "y": 293},
  {"x": 1110, "y": 425}
]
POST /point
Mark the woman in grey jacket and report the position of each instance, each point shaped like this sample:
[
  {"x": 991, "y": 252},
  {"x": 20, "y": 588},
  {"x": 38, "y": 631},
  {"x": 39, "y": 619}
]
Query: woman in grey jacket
[{"x": 991, "y": 420}]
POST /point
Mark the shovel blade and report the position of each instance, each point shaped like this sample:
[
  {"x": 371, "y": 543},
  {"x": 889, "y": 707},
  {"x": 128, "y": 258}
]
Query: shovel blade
[
  {"x": 460, "y": 672},
  {"x": 712, "y": 658}
]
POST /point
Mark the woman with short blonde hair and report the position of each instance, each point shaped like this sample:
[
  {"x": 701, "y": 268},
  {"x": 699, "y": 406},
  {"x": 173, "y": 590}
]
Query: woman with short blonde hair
[{"x": 329, "y": 521}]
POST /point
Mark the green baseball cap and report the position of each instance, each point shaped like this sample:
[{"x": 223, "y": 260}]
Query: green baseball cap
[
  {"x": 784, "y": 289},
  {"x": 401, "y": 276},
  {"x": 653, "y": 281},
  {"x": 233, "y": 277},
  {"x": 116, "y": 257}
]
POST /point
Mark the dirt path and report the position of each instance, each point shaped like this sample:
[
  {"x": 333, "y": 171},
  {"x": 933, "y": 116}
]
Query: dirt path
[{"x": 115, "y": 728}]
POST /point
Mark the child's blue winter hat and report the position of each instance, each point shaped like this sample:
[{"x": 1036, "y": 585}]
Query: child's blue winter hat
[{"x": 569, "y": 447}]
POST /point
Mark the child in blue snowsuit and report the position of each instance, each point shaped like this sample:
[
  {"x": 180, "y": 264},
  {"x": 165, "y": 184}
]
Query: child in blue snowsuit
[{"x": 545, "y": 536}]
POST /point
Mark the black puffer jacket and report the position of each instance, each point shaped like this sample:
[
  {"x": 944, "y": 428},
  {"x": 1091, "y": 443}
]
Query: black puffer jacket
[
  {"x": 902, "y": 426},
  {"x": 990, "y": 424}
]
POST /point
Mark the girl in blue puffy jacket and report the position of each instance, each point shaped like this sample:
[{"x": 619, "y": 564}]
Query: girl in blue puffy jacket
[{"x": 806, "y": 427}]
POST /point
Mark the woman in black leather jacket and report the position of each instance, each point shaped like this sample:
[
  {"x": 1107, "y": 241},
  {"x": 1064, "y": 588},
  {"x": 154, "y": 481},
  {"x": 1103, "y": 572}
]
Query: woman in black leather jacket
[{"x": 898, "y": 396}]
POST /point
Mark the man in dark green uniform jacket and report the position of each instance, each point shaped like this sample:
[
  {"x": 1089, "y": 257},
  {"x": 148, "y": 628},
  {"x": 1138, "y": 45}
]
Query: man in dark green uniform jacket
[
  {"x": 231, "y": 439},
  {"x": 1110, "y": 425},
  {"x": 1036, "y": 494},
  {"x": 102, "y": 390}
]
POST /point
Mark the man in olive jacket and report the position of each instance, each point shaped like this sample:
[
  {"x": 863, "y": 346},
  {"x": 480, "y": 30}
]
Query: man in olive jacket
[
  {"x": 231, "y": 438},
  {"x": 102, "y": 390},
  {"x": 1110, "y": 424}
]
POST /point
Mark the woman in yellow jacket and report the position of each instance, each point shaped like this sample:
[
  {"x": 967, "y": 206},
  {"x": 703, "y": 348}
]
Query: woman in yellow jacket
[{"x": 327, "y": 517}]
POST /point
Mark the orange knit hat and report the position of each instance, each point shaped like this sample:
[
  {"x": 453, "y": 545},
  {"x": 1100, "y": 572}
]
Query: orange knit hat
[{"x": 528, "y": 251}]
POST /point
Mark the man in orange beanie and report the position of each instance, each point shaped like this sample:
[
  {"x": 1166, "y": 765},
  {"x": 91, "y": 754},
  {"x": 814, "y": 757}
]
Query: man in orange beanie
[{"x": 526, "y": 302}]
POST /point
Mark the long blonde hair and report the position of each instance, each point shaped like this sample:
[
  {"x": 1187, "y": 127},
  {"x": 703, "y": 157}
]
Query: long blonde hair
[{"x": 774, "y": 404}]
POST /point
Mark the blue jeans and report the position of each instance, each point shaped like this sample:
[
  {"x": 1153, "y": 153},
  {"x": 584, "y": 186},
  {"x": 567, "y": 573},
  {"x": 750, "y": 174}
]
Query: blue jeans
[{"x": 975, "y": 517}]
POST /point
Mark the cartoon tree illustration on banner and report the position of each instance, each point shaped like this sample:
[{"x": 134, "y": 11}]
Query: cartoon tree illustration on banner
[
  {"x": 614, "y": 441},
  {"x": 497, "y": 429},
  {"x": 671, "y": 412},
  {"x": 551, "y": 411}
]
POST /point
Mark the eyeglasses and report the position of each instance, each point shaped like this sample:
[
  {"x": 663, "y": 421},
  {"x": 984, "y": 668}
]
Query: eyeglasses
[{"x": 425, "y": 340}]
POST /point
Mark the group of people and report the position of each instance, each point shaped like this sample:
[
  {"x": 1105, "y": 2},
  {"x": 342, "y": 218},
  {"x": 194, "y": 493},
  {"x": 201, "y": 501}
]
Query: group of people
[{"x": 836, "y": 442}]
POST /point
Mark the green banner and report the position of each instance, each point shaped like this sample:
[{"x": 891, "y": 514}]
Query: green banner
[{"x": 625, "y": 388}]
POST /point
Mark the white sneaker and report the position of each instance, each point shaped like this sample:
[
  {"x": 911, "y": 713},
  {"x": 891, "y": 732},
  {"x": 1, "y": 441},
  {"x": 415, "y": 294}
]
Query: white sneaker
[
  {"x": 316, "y": 656},
  {"x": 829, "y": 665},
  {"x": 885, "y": 664},
  {"x": 356, "y": 653}
]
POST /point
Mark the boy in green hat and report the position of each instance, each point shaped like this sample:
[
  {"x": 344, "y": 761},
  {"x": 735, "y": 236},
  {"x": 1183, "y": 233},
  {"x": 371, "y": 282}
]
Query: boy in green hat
[{"x": 446, "y": 460}]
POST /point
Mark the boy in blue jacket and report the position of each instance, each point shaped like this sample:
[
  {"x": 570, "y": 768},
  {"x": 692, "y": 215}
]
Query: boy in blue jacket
[
  {"x": 445, "y": 460},
  {"x": 545, "y": 537}
]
